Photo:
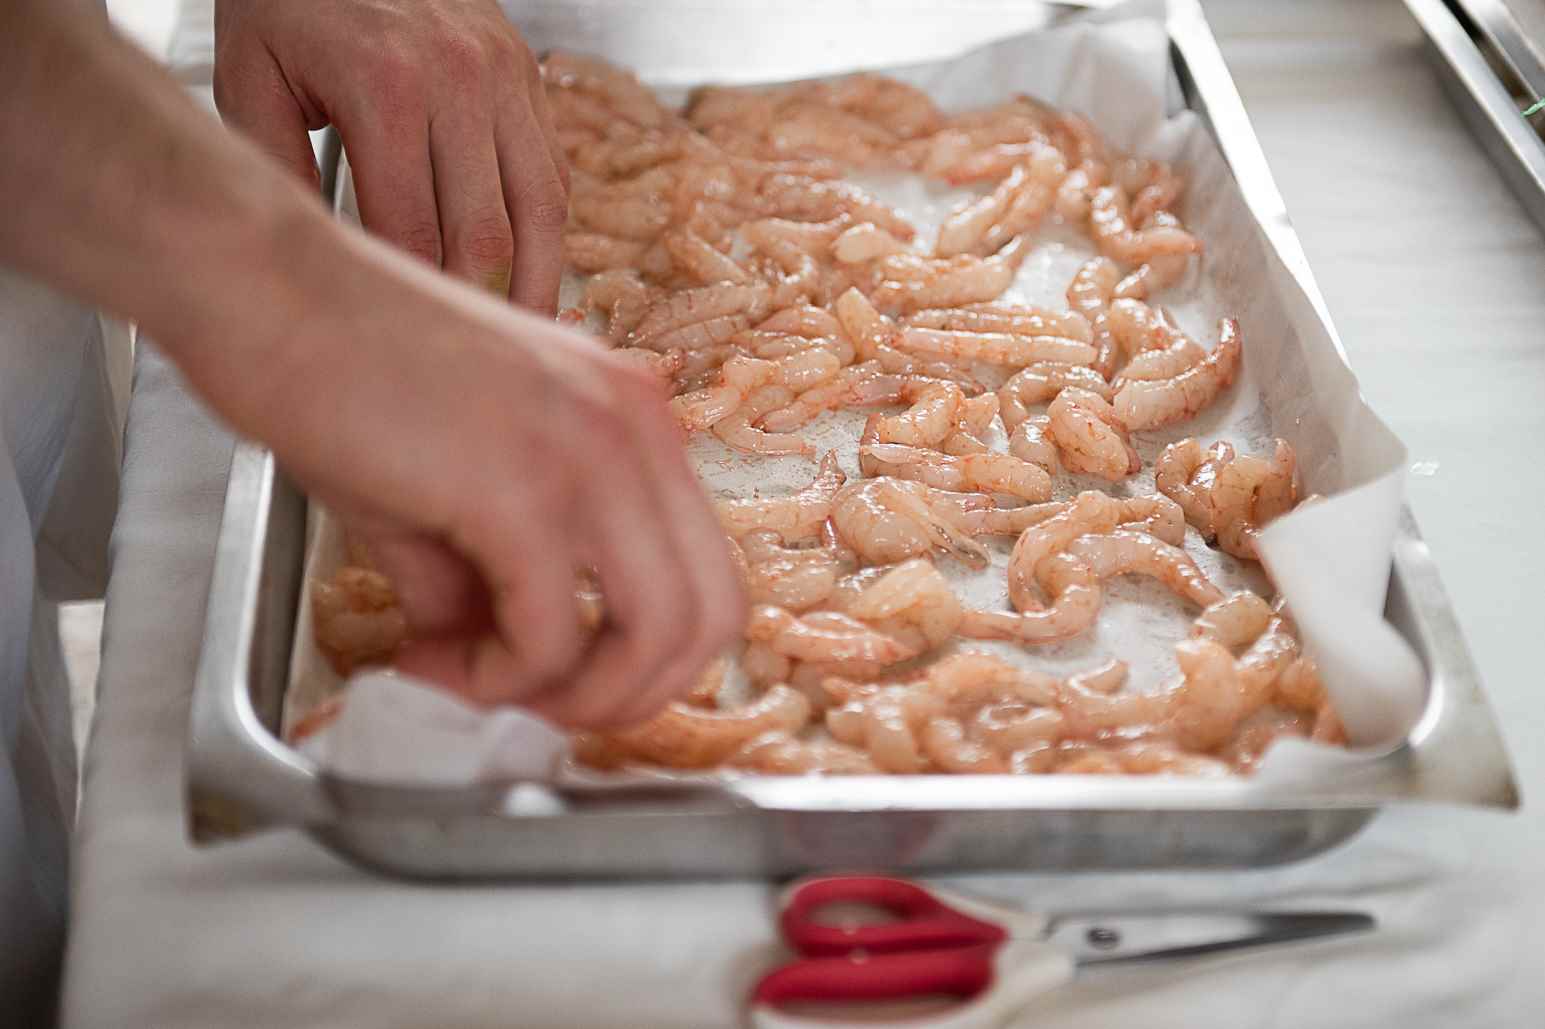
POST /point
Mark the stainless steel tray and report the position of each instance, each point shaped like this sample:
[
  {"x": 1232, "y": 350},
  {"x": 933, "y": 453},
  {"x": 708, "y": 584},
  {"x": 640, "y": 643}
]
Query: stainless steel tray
[
  {"x": 1488, "y": 64},
  {"x": 242, "y": 778}
]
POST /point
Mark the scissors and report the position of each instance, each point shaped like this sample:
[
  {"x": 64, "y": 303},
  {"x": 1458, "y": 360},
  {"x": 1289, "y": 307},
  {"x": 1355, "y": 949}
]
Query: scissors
[{"x": 990, "y": 959}]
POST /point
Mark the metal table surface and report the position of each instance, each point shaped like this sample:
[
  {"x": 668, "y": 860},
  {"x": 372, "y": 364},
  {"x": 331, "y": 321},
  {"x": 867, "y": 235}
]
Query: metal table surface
[{"x": 1436, "y": 281}]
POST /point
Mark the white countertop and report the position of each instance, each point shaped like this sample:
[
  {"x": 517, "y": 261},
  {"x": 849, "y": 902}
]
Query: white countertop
[{"x": 1436, "y": 281}]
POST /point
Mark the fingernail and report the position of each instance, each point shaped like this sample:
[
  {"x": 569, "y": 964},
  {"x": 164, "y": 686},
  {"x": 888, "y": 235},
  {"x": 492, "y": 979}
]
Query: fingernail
[{"x": 498, "y": 282}]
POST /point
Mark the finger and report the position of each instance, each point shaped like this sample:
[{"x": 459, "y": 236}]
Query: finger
[
  {"x": 646, "y": 611},
  {"x": 255, "y": 99},
  {"x": 538, "y": 206},
  {"x": 537, "y": 90},
  {"x": 533, "y": 641},
  {"x": 708, "y": 579},
  {"x": 440, "y": 593},
  {"x": 388, "y": 150},
  {"x": 474, "y": 227}
]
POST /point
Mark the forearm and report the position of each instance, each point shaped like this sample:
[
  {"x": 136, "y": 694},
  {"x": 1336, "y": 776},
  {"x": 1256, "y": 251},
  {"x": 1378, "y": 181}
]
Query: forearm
[{"x": 120, "y": 191}]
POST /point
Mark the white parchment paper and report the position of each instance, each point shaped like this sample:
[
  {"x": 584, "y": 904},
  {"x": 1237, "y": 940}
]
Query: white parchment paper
[{"x": 1330, "y": 560}]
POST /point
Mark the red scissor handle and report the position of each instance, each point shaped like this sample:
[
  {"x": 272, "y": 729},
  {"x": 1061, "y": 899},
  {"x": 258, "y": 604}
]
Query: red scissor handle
[
  {"x": 923, "y": 922},
  {"x": 961, "y": 972}
]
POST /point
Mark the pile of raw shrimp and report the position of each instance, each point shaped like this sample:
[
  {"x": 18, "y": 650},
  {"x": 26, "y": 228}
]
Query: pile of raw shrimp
[{"x": 723, "y": 250}]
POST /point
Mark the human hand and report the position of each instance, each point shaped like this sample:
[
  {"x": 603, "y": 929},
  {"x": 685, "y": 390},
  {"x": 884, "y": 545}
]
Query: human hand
[
  {"x": 441, "y": 109},
  {"x": 486, "y": 455}
]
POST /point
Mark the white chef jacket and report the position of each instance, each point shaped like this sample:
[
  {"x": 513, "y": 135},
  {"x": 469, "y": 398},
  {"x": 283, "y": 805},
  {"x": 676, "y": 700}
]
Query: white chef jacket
[{"x": 58, "y": 488}]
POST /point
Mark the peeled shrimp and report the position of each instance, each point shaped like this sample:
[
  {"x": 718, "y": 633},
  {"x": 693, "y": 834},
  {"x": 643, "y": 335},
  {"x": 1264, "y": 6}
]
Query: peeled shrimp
[
  {"x": 888, "y": 520},
  {"x": 824, "y": 636},
  {"x": 670, "y": 321},
  {"x": 781, "y": 754},
  {"x": 683, "y": 736},
  {"x": 994, "y": 347},
  {"x": 356, "y": 618},
  {"x": 932, "y": 416},
  {"x": 801, "y": 198},
  {"x": 1110, "y": 224},
  {"x": 697, "y": 258},
  {"x": 738, "y": 429},
  {"x": 799, "y": 516},
  {"x": 1010, "y": 318},
  {"x": 1153, "y": 404},
  {"x": 591, "y": 252},
  {"x": 1186, "y": 475},
  {"x": 971, "y": 473},
  {"x": 910, "y": 283},
  {"x": 1016, "y": 206},
  {"x": 793, "y": 579},
  {"x": 1125, "y": 551},
  {"x": 865, "y": 242},
  {"x": 1158, "y": 273},
  {"x": 1039, "y": 383},
  {"x": 618, "y": 89},
  {"x": 1031, "y": 441},
  {"x": 1090, "y": 437},
  {"x": 912, "y": 602}
]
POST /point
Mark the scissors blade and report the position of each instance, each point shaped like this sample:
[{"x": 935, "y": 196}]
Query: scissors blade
[{"x": 1096, "y": 940}]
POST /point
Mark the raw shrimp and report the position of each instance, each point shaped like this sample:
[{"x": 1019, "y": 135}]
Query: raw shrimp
[
  {"x": 683, "y": 736},
  {"x": 1248, "y": 493},
  {"x": 669, "y": 317},
  {"x": 1153, "y": 404},
  {"x": 1152, "y": 757},
  {"x": 697, "y": 258},
  {"x": 1235, "y": 621},
  {"x": 909, "y": 282},
  {"x": 1153, "y": 185},
  {"x": 874, "y": 337},
  {"x": 1075, "y": 603},
  {"x": 1016, "y": 206},
  {"x": 887, "y": 520},
  {"x": 1158, "y": 273},
  {"x": 1010, "y": 318},
  {"x": 356, "y": 618},
  {"x": 1030, "y": 441},
  {"x": 793, "y": 579},
  {"x": 740, "y": 377},
  {"x": 1159, "y": 516},
  {"x": 946, "y": 745},
  {"x": 1039, "y": 383},
  {"x": 591, "y": 252},
  {"x": 1107, "y": 678},
  {"x": 1111, "y": 227},
  {"x": 793, "y": 274},
  {"x": 1089, "y": 436},
  {"x": 1089, "y": 513},
  {"x": 1187, "y": 476},
  {"x": 1210, "y": 702},
  {"x": 912, "y": 602},
  {"x": 904, "y": 111},
  {"x": 619, "y": 90},
  {"x": 639, "y": 220},
  {"x": 824, "y": 636},
  {"x": 971, "y": 473},
  {"x": 799, "y": 516},
  {"x": 738, "y": 429},
  {"x": 864, "y": 243},
  {"x": 1125, "y": 551},
  {"x": 801, "y": 198},
  {"x": 782, "y": 754},
  {"x": 994, "y": 347},
  {"x": 1090, "y": 294},
  {"x": 932, "y": 416},
  {"x": 662, "y": 365}
]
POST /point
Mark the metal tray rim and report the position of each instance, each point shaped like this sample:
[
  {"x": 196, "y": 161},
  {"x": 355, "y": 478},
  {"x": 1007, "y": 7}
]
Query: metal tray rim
[{"x": 240, "y": 776}]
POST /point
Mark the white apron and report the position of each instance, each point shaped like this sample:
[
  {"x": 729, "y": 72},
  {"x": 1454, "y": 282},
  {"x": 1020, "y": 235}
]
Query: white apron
[{"x": 58, "y": 489}]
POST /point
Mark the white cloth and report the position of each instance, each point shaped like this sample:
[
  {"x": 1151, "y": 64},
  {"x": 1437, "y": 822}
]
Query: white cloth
[
  {"x": 58, "y": 465},
  {"x": 1437, "y": 282}
]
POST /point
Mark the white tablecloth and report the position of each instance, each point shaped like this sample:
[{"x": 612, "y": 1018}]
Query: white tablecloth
[{"x": 1437, "y": 283}]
